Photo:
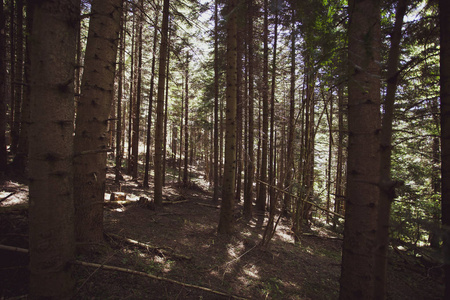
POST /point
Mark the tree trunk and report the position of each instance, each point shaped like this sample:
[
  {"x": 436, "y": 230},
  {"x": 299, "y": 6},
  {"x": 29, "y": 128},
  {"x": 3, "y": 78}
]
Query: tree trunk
[
  {"x": 123, "y": 21},
  {"x": 444, "y": 16},
  {"x": 357, "y": 275},
  {"x": 186, "y": 124},
  {"x": 132, "y": 94},
  {"x": 216, "y": 105},
  {"x": 387, "y": 191},
  {"x": 228, "y": 186},
  {"x": 290, "y": 142},
  {"x": 51, "y": 209},
  {"x": 159, "y": 133},
  {"x": 261, "y": 200},
  {"x": 3, "y": 91},
  {"x": 166, "y": 104},
  {"x": 150, "y": 105},
  {"x": 92, "y": 119},
  {"x": 137, "y": 103},
  {"x": 248, "y": 197}
]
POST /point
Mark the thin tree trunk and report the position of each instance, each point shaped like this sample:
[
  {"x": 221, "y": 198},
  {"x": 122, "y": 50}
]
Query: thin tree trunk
[
  {"x": 290, "y": 142},
  {"x": 150, "y": 106},
  {"x": 159, "y": 133},
  {"x": 272, "y": 160},
  {"x": 186, "y": 124},
  {"x": 216, "y": 105},
  {"x": 131, "y": 101},
  {"x": 51, "y": 210},
  {"x": 137, "y": 104},
  {"x": 166, "y": 104},
  {"x": 93, "y": 109},
  {"x": 123, "y": 21},
  {"x": 228, "y": 187},
  {"x": 12, "y": 75},
  {"x": 261, "y": 200},
  {"x": 387, "y": 191}
]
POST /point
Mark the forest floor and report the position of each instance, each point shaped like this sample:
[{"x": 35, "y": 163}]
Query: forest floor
[{"x": 180, "y": 246}]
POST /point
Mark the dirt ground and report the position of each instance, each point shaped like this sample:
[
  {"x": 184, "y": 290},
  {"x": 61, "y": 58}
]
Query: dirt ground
[{"x": 182, "y": 246}]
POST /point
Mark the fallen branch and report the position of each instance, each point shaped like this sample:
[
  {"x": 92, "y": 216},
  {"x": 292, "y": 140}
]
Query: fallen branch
[
  {"x": 15, "y": 249},
  {"x": 208, "y": 205},
  {"x": 4, "y": 198},
  {"x": 129, "y": 271},
  {"x": 148, "y": 246}
]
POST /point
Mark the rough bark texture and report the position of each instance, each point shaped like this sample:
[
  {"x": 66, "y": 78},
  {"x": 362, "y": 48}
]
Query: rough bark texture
[
  {"x": 229, "y": 176},
  {"x": 248, "y": 192},
  {"x": 159, "y": 127},
  {"x": 93, "y": 109},
  {"x": 51, "y": 209},
  {"x": 387, "y": 192},
  {"x": 445, "y": 136},
  {"x": 357, "y": 275},
  {"x": 3, "y": 89},
  {"x": 216, "y": 105}
]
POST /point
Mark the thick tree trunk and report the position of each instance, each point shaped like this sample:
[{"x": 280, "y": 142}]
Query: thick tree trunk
[
  {"x": 159, "y": 132},
  {"x": 3, "y": 90},
  {"x": 248, "y": 193},
  {"x": 444, "y": 16},
  {"x": 92, "y": 119},
  {"x": 364, "y": 125},
  {"x": 228, "y": 186},
  {"x": 51, "y": 211},
  {"x": 387, "y": 192}
]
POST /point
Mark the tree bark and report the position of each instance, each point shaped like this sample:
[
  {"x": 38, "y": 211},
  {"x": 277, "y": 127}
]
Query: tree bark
[
  {"x": 119, "y": 153},
  {"x": 159, "y": 133},
  {"x": 444, "y": 16},
  {"x": 216, "y": 105},
  {"x": 364, "y": 124},
  {"x": 186, "y": 124},
  {"x": 261, "y": 200},
  {"x": 3, "y": 91},
  {"x": 51, "y": 211},
  {"x": 387, "y": 191},
  {"x": 150, "y": 105},
  {"x": 92, "y": 119},
  {"x": 229, "y": 178},
  {"x": 248, "y": 193}
]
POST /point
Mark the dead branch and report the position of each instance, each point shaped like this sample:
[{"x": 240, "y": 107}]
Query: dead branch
[
  {"x": 15, "y": 249},
  {"x": 129, "y": 271},
  {"x": 4, "y": 198},
  {"x": 165, "y": 250},
  {"x": 208, "y": 205}
]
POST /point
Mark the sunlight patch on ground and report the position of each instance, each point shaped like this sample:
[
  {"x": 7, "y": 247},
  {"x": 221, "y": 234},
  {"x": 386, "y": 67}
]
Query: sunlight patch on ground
[
  {"x": 251, "y": 271},
  {"x": 15, "y": 193}
]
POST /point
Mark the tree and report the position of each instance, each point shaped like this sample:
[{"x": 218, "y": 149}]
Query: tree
[
  {"x": 387, "y": 191},
  {"x": 364, "y": 125},
  {"x": 216, "y": 104},
  {"x": 159, "y": 133},
  {"x": 3, "y": 87},
  {"x": 261, "y": 200},
  {"x": 444, "y": 15},
  {"x": 229, "y": 177},
  {"x": 91, "y": 142},
  {"x": 51, "y": 211}
]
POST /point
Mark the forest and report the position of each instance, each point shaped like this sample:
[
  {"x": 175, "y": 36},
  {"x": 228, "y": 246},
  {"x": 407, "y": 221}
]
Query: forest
[{"x": 212, "y": 149}]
